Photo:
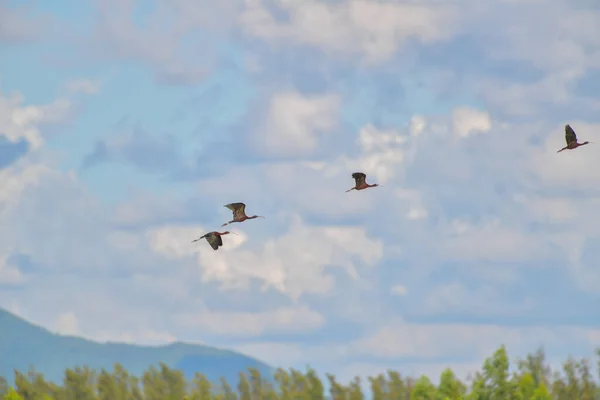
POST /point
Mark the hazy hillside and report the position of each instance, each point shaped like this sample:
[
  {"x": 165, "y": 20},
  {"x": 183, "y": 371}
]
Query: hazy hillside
[{"x": 23, "y": 344}]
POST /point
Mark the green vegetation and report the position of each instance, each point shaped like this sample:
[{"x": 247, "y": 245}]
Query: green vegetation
[{"x": 532, "y": 380}]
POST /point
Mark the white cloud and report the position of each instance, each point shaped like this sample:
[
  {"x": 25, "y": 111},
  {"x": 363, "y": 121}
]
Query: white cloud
[
  {"x": 532, "y": 98},
  {"x": 124, "y": 240},
  {"x": 19, "y": 23},
  {"x": 148, "y": 337},
  {"x": 484, "y": 301},
  {"x": 296, "y": 319},
  {"x": 295, "y": 122},
  {"x": 404, "y": 339},
  {"x": 370, "y": 138},
  {"x": 318, "y": 188},
  {"x": 569, "y": 49},
  {"x": 399, "y": 290},
  {"x": 67, "y": 324},
  {"x": 13, "y": 182},
  {"x": 275, "y": 353},
  {"x": 417, "y": 125},
  {"x": 548, "y": 209},
  {"x": 22, "y": 121},
  {"x": 283, "y": 263},
  {"x": 86, "y": 86},
  {"x": 416, "y": 208},
  {"x": 348, "y": 27},
  {"x": 381, "y": 154},
  {"x": 494, "y": 242},
  {"x": 467, "y": 121},
  {"x": 9, "y": 274}
]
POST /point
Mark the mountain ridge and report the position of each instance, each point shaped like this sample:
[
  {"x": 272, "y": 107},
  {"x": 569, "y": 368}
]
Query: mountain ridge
[{"x": 24, "y": 344}]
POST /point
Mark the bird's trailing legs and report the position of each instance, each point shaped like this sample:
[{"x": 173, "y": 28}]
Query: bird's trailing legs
[
  {"x": 368, "y": 186},
  {"x": 242, "y": 220}
]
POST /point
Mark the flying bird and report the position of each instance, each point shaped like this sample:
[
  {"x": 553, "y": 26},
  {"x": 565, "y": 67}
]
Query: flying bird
[
  {"x": 239, "y": 213},
  {"x": 571, "y": 139},
  {"x": 361, "y": 183},
  {"x": 214, "y": 239}
]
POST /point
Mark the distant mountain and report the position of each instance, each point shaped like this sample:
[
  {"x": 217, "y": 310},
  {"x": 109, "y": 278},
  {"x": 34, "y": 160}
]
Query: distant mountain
[{"x": 23, "y": 344}]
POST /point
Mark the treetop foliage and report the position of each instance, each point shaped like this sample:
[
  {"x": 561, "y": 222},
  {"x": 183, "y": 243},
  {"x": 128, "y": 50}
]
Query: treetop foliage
[{"x": 533, "y": 380}]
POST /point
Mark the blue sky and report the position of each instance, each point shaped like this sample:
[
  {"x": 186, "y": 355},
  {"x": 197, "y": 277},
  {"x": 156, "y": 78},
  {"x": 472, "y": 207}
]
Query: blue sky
[{"x": 126, "y": 126}]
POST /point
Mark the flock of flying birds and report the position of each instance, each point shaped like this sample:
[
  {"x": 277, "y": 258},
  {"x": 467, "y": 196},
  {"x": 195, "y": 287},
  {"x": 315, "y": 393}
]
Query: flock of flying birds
[{"x": 239, "y": 209}]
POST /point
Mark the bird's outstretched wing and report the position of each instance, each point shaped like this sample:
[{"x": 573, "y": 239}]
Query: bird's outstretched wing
[
  {"x": 570, "y": 135},
  {"x": 359, "y": 177},
  {"x": 214, "y": 240},
  {"x": 238, "y": 209}
]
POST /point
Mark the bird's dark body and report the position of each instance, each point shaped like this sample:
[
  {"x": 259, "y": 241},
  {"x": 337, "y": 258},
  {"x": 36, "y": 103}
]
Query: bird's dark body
[
  {"x": 361, "y": 182},
  {"x": 571, "y": 139},
  {"x": 213, "y": 238}
]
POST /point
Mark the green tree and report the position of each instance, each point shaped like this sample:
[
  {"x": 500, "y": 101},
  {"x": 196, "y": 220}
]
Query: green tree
[
  {"x": 4, "y": 387},
  {"x": 379, "y": 388},
  {"x": 450, "y": 387},
  {"x": 541, "y": 393},
  {"x": 256, "y": 384},
  {"x": 588, "y": 386},
  {"x": 526, "y": 386},
  {"x": 572, "y": 388},
  {"x": 559, "y": 388},
  {"x": 244, "y": 388},
  {"x": 409, "y": 384},
  {"x": 201, "y": 389},
  {"x": 316, "y": 390},
  {"x": 154, "y": 387},
  {"x": 532, "y": 382},
  {"x": 355, "y": 390},
  {"x": 284, "y": 383},
  {"x": 479, "y": 388},
  {"x": 79, "y": 384},
  {"x": 535, "y": 365},
  {"x": 12, "y": 394},
  {"x": 396, "y": 387},
  {"x": 25, "y": 387},
  {"x": 496, "y": 373},
  {"x": 226, "y": 392},
  {"x": 107, "y": 387},
  {"x": 336, "y": 390},
  {"x": 423, "y": 389}
]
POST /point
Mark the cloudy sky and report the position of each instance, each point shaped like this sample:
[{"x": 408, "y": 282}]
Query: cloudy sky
[{"x": 126, "y": 126}]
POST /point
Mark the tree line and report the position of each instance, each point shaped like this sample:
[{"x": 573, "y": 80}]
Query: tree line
[{"x": 532, "y": 379}]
